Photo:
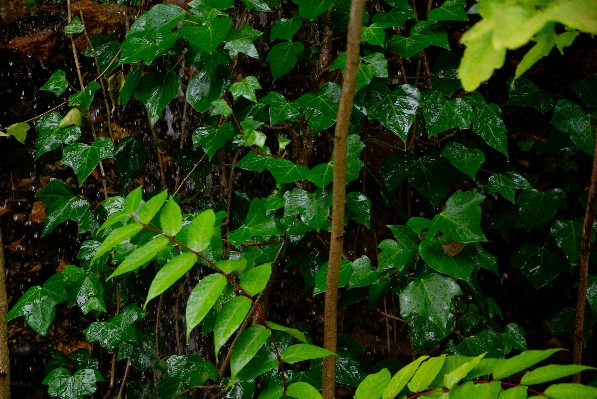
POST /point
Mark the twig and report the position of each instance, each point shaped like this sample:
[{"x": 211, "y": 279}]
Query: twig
[
  {"x": 205, "y": 387},
  {"x": 160, "y": 158},
  {"x": 4, "y": 359},
  {"x": 230, "y": 193},
  {"x": 157, "y": 327},
  {"x": 339, "y": 195},
  {"x": 392, "y": 317},
  {"x": 176, "y": 328},
  {"x": 585, "y": 252},
  {"x": 241, "y": 329},
  {"x": 188, "y": 175},
  {"x": 126, "y": 374},
  {"x": 113, "y": 366}
]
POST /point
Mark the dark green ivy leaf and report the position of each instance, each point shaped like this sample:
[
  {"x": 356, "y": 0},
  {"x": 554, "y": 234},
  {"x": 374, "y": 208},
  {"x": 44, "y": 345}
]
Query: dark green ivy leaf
[
  {"x": 285, "y": 171},
  {"x": 146, "y": 48},
  {"x": 209, "y": 36},
  {"x": 203, "y": 89},
  {"x": 450, "y": 10},
  {"x": 74, "y": 26},
  {"x": 212, "y": 139},
  {"x": 539, "y": 264},
  {"x": 286, "y": 28},
  {"x": 259, "y": 5},
  {"x": 62, "y": 384},
  {"x": 130, "y": 84},
  {"x": 445, "y": 77},
  {"x": 401, "y": 253},
  {"x": 460, "y": 219},
  {"x": 358, "y": 208},
  {"x": 314, "y": 209},
  {"x": 84, "y": 98},
  {"x": 161, "y": 18},
  {"x": 83, "y": 158},
  {"x": 283, "y": 57},
  {"x": 374, "y": 34},
  {"x": 570, "y": 118},
  {"x": 130, "y": 158},
  {"x": 83, "y": 290},
  {"x": 460, "y": 266},
  {"x": 155, "y": 91},
  {"x": 435, "y": 31},
  {"x": 586, "y": 89},
  {"x": 506, "y": 183},
  {"x": 51, "y": 136},
  {"x": 568, "y": 235},
  {"x": 280, "y": 110},
  {"x": 106, "y": 49},
  {"x": 525, "y": 93},
  {"x": 142, "y": 356},
  {"x": 245, "y": 88},
  {"x": 109, "y": 334},
  {"x": 408, "y": 46},
  {"x": 56, "y": 84},
  {"x": 370, "y": 66},
  {"x": 537, "y": 206},
  {"x": 395, "y": 18},
  {"x": 441, "y": 114},
  {"x": 489, "y": 125},
  {"x": 468, "y": 160},
  {"x": 257, "y": 224},
  {"x": 61, "y": 205},
  {"x": 309, "y": 9},
  {"x": 322, "y": 107}
]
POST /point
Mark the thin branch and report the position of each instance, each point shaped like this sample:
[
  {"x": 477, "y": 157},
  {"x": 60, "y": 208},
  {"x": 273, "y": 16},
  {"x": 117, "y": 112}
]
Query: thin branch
[
  {"x": 126, "y": 374},
  {"x": 188, "y": 175}
]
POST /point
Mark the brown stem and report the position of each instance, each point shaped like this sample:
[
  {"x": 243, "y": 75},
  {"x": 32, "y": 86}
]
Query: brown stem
[
  {"x": 4, "y": 360},
  {"x": 325, "y": 61},
  {"x": 585, "y": 252},
  {"x": 160, "y": 157},
  {"x": 188, "y": 175},
  {"x": 123, "y": 383},
  {"x": 339, "y": 195},
  {"x": 114, "y": 354},
  {"x": 157, "y": 327},
  {"x": 176, "y": 307}
]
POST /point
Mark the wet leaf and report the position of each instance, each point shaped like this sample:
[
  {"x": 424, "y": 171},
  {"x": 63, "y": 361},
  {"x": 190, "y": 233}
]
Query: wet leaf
[
  {"x": 303, "y": 390},
  {"x": 551, "y": 372},
  {"x": 257, "y": 224},
  {"x": 247, "y": 345},
  {"x": 539, "y": 264},
  {"x": 255, "y": 280},
  {"x": 300, "y": 352},
  {"x": 408, "y": 47},
  {"x": 209, "y": 36},
  {"x": 56, "y": 84},
  {"x": 362, "y": 274},
  {"x": 373, "y": 386},
  {"x": 570, "y": 118},
  {"x": 445, "y": 77},
  {"x": 489, "y": 125},
  {"x": 258, "y": 5},
  {"x": 460, "y": 266},
  {"x": 83, "y": 158},
  {"x": 313, "y": 209},
  {"x": 152, "y": 207},
  {"x": 212, "y": 139},
  {"x": 506, "y": 183},
  {"x": 322, "y": 107},
  {"x": 204, "y": 88},
  {"x": 84, "y": 290},
  {"x": 283, "y": 57},
  {"x": 285, "y": 28},
  {"x": 435, "y": 31},
  {"x": 358, "y": 208},
  {"x": 51, "y": 136},
  {"x": 568, "y": 235},
  {"x": 521, "y": 362},
  {"x": 570, "y": 391},
  {"x": 460, "y": 219},
  {"x": 62, "y": 384},
  {"x": 146, "y": 48},
  {"x": 229, "y": 320},
  {"x": 373, "y": 34},
  {"x": 119, "y": 328},
  {"x": 170, "y": 273},
  {"x": 322, "y": 174},
  {"x": 471, "y": 390},
  {"x": 395, "y": 18},
  {"x": 192, "y": 369},
  {"x": 285, "y": 171},
  {"x": 442, "y": 114},
  {"x": 141, "y": 255},
  {"x": 450, "y": 10},
  {"x": 141, "y": 356},
  {"x": 106, "y": 49},
  {"x": 245, "y": 88},
  {"x": 373, "y": 65},
  {"x": 73, "y": 117},
  {"x": 586, "y": 89},
  {"x": 537, "y": 207},
  {"x": 161, "y": 18},
  {"x": 279, "y": 109},
  {"x": 130, "y": 84},
  {"x": 524, "y": 93},
  {"x": 116, "y": 237},
  {"x": 592, "y": 293},
  {"x": 401, "y": 378},
  {"x": 426, "y": 373},
  {"x": 84, "y": 98},
  {"x": 201, "y": 231},
  {"x": 401, "y": 253},
  {"x": 309, "y": 9},
  {"x": 61, "y": 205},
  {"x": 468, "y": 160},
  {"x": 130, "y": 160},
  {"x": 155, "y": 91},
  {"x": 203, "y": 298},
  {"x": 18, "y": 131},
  {"x": 171, "y": 218}
]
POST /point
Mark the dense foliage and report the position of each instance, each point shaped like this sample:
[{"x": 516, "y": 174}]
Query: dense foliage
[{"x": 264, "y": 80}]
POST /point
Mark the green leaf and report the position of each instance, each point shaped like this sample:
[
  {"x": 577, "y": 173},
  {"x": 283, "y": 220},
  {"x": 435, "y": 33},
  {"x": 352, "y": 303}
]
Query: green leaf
[
  {"x": 506, "y": 183},
  {"x": 66, "y": 386},
  {"x": 373, "y": 65},
  {"x": 61, "y": 205},
  {"x": 83, "y": 158},
  {"x": 408, "y": 47},
  {"x": 84, "y": 98},
  {"x": 592, "y": 293},
  {"x": 38, "y": 307},
  {"x": 119, "y": 328},
  {"x": 586, "y": 89},
  {"x": 489, "y": 125},
  {"x": 161, "y": 18},
  {"x": 373, "y": 34},
  {"x": 146, "y": 48},
  {"x": 201, "y": 230},
  {"x": 322, "y": 174},
  {"x": 445, "y": 77},
  {"x": 300, "y": 352},
  {"x": 539, "y": 264},
  {"x": 323, "y": 107},
  {"x": 73, "y": 117},
  {"x": 257, "y": 224},
  {"x": 106, "y": 50},
  {"x": 204, "y": 88},
  {"x": 401, "y": 253},
  {"x": 460, "y": 219},
  {"x": 358, "y": 208},
  {"x": 401, "y": 378},
  {"x": 471, "y": 390},
  {"x": 259, "y": 5},
  {"x": 212, "y": 139},
  {"x": 130, "y": 83},
  {"x": 460, "y": 266},
  {"x": 286, "y": 28},
  {"x": 51, "y": 136},
  {"x": 570, "y": 118},
  {"x": 203, "y": 298},
  {"x": 279, "y": 109},
  {"x": 568, "y": 235},
  {"x": 537, "y": 207},
  {"x": 209, "y": 36},
  {"x": 480, "y": 59},
  {"x": 171, "y": 218},
  {"x": 303, "y": 390},
  {"x": 283, "y": 57},
  {"x": 247, "y": 345},
  {"x": 524, "y": 93},
  {"x": 255, "y": 280},
  {"x": 272, "y": 392},
  {"x": 310, "y": 9},
  {"x": 395, "y": 18},
  {"x": 228, "y": 265},
  {"x": 551, "y": 372},
  {"x": 229, "y": 320},
  {"x": 116, "y": 237},
  {"x": 441, "y": 114},
  {"x": 129, "y": 159},
  {"x": 170, "y": 273},
  {"x": 468, "y": 160},
  {"x": 18, "y": 131},
  {"x": 293, "y": 332},
  {"x": 450, "y": 10},
  {"x": 155, "y": 91},
  {"x": 245, "y": 88},
  {"x": 83, "y": 290},
  {"x": 245, "y": 46},
  {"x": 436, "y": 32},
  {"x": 396, "y": 110},
  {"x": 152, "y": 207},
  {"x": 460, "y": 372},
  {"x": 373, "y": 385},
  {"x": 519, "y": 392},
  {"x": 545, "y": 42},
  {"x": 571, "y": 391},
  {"x": 426, "y": 373},
  {"x": 56, "y": 84},
  {"x": 141, "y": 256},
  {"x": 430, "y": 298},
  {"x": 520, "y": 362},
  {"x": 346, "y": 271},
  {"x": 314, "y": 209}
]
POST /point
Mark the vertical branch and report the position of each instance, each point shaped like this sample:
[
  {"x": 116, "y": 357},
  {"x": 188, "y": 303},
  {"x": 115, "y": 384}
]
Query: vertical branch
[
  {"x": 339, "y": 195},
  {"x": 4, "y": 360},
  {"x": 585, "y": 252}
]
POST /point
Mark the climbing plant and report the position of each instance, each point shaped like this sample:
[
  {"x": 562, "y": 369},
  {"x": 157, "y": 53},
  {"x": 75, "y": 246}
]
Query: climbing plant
[{"x": 444, "y": 173}]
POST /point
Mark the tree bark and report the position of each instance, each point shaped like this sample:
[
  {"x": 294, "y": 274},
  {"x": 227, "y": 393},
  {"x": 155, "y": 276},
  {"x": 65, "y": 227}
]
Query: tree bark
[
  {"x": 4, "y": 359},
  {"x": 337, "y": 238}
]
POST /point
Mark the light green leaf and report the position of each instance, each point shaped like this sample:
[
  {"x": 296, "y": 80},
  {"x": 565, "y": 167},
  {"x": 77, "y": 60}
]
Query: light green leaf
[
  {"x": 229, "y": 265},
  {"x": 545, "y": 41},
  {"x": 480, "y": 58},
  {"x": 171, "y": 218},
  {"x": 551, "y": 372},
  {"x": 303, "y": 390},
  {"x": 151, "y": 207},
  {"x": 426, "y": 373},
  {"x": 290, "y": 331},
  {"x": 299, "y": 352},
  {"x": 141, "y": 256},
  {"x": 471, "y": 390},
  {"x": 373, "y": 385},
  {"x": 18, "y": 131},
  {"x": 74, "y": 26},
  {"x": 247, "y": 345},
  {"x": 520, "y": 362},
  {"x": 72, "y": 118},
  {"x": 203, "y": 298},
  {"x": 170, "y": 273},
  {"x": 460, "y": 372},
  {"x": 116, "y": 237},
  {"x": 201, "y": 230},
  {"x": 255, "y": 280},
  {"x": 401, "y": 378},
  {"x": 229, "y": 320},
  {"x": 571, "y": 391}
]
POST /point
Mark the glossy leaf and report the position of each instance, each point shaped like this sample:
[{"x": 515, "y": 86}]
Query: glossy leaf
[
  {"x": 539, "y": 264},
  {"x": 570, "y": 391},
  {"x": 212, "y": 139},
  {"x": 203, "y": 298},
  {"x": 290, "y": 331},
  {"x": 51, "y": 136},
  {"x": 401, "y": 253},
  {"x": 117, "y": 329},
  {"x": 141, "y": 256},
  {"x": 358, "y": 208},
  {"x": 62, "y": 384},
  {"x": 171, "y": 218},
  {"x": 152, "y": 207},
  {"x": 283, "y": 57},
  {"x": 285, "y": 28},
  {"x": 279, "y": 109},
  {"x": 586, "y": 89},
  {"x": 201, "y": 230},
  {"x": 426, "y": 373},
  {"x": 303, "y": 390},
  {"x": 408, "y": 47},
  {"x": 229, "y": 320},
  {"x": 537, "y": 207},
  {"x": 468, "y": 160},
  {"x": 314, "y": 210},
  {"x": 245, "y": 88},
  {"x": 395, "y": 18},
  {"x": 299, "y": 352},
  {"x": 83, "y": 158},
  {"x": 402, "y": 377},
  {"x": 161, "y": 18},
  {"x": 61, "y": 205},
  {"x": 459, "y": 266},
  {"x": 373, "y": 385},
  {"x": 570, "y": 118},
  {"x": 155, "y": 91},
  {"x": 521, "y": 362},
  {"x": 309, "y": 9},
  {"x": 204, "y": 88},
  {"x": 489, "y": 125},
  {"x": 524, "y": 93},
  {"x": 247, "y": 345},
  {"x": 370, "y": 66},
  {"x": 170, "y": 273},
  {"x": 146, "y": 48},
  {"x": 130, "y": 84},
  {"x": 72, "y": 117},
  {"x": 441, "y": 114},
  {"x": 209, "y": 36},
  {"x": 506, "y": 184},
  {"x": 116, "y": 237},
  {"x": 460, "y": 219},
  {"x": 445, "y": 77},
  {"x": 84, "y": 98},
  {"x": 460, "y": 372},
  {"x": 373, "y": 34},
  {"x": 471, "y": 390},
  {"x": 285, "y": 171},
  {"x": 450, "y": 10},
  {"x": 257, "y": 224},
  {"x": 322, "y": 107},
  {"x": 255, "y": 280},
  {"x": 129, "y": 159},
  {"x": 551, "y": 372},
  {"x": 568, "y": 235},
  {"x": 56, "y": 84}
]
